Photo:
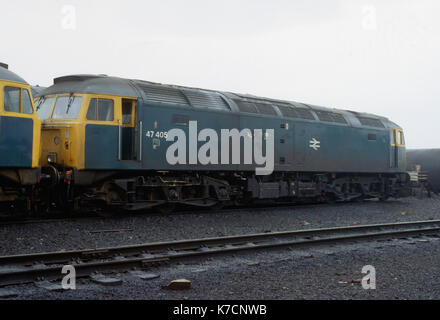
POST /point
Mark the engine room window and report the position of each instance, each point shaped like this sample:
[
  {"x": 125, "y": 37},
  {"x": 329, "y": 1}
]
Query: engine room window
[
  {"x": 372, "y": 137},
  {"x": 180, "y": 119},
  {"x": 67, "y": 107},
  {"x": 27, "y": 104},
  {"x": 44, "y": 107},
  {"x": 100, "y": 110},
  {"x": 12, "y": 99}
]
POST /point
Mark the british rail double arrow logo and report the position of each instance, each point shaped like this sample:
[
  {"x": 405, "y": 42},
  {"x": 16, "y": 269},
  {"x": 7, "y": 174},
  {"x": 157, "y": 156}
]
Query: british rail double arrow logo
[{"x": 315, "y": 144}]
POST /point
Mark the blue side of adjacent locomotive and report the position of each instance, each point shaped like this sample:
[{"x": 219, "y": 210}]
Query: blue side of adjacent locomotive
[{"x": 16, "y": 141}]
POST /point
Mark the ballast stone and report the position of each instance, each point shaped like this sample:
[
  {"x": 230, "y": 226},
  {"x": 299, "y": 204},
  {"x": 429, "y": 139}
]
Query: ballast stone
[
  {"x": 51, "y": 286},
  {"x": 180, "y": 284},
  {"x": 145, "y": 275},
  {"x": 105, "y": 280}
]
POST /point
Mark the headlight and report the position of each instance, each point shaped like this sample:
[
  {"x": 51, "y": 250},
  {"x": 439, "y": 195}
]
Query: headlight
[{"x": 52, "y": 157}]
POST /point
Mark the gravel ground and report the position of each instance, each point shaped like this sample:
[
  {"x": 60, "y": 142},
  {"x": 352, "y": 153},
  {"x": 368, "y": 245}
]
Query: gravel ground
[
  {"x": 81, "y": 234},
  {"x": 405, "y": 269}
]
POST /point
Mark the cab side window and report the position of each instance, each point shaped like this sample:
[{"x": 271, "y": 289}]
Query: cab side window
[
  {"x": 91, "y": 113},
  {"x": 397, "y": 137},
  {"x": 12, "y": 99},
  {"x": 26, "y": 100},
  {"x": 17, "y": 100},
  {"x": 400, "y": 139},
  {"x": 105, "y": 110},
  {"x": 101, "y": 110}
]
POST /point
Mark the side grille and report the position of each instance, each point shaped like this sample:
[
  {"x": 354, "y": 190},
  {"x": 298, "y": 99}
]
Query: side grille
[
  {"x": 371, "y": 122},
  {"x": 202, "y": 99},
  {"x": 304, "y": 114},
  {"x": 265, "y": 108},
  {"x": 338, "y": 118},
  {"x": 163, "y": 94},
  {"x": 245, "y": 106},
  {"x": 299, "y": 113},
  {"x": 330, "y": 117}
]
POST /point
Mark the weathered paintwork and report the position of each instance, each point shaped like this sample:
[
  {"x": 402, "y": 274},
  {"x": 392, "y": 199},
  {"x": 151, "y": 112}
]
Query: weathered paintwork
[
  {"x": 19, "y": 132},
  {"x": 16, "y": 141},
  {"x": 343, "y": 147},
  {"x": 7, "y": 75}
]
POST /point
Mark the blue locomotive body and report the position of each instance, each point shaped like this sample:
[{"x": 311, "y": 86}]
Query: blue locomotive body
[
  {"x": 119, "y": 139},
  {"x": 348, "y": 147}
]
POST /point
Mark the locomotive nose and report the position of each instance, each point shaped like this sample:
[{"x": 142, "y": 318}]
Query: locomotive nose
[{"x": 52, "y": 146}]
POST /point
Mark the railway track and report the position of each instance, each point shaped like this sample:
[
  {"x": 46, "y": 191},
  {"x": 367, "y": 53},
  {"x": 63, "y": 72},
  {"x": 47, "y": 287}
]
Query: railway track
[{"x": 28, "y": 268}]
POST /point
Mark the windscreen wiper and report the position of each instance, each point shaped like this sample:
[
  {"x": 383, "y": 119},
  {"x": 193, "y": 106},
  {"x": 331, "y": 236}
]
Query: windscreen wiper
[
  {"x": 40, "y": 102},
  {"x": 69, "y": 104}
]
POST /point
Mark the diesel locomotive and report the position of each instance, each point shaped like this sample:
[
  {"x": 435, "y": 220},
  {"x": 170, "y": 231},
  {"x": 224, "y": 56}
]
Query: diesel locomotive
[
  {"x": 107, "y": 140},
  {"x": 20, "y": 129}
]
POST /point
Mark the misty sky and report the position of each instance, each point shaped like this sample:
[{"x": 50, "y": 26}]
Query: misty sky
[{"x": 379, "y": 57}]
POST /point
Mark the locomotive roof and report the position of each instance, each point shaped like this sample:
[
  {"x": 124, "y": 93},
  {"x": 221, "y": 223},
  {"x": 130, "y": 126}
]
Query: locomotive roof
[
  {"x": 8, "y": 75},
  {"x": 36, "y": 90},
  {"x": 157, "y": 92}
]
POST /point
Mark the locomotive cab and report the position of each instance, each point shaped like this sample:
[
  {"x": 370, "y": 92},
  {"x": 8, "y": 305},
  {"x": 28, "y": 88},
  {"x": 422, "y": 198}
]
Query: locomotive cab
[
  {"x": 19, "y": 137},
  {"x": 398, "y": 149},
  {"x": 87, "y": 131}
]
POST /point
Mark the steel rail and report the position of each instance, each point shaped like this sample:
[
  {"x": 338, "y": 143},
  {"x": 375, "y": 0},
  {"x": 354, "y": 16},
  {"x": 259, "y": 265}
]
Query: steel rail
[{"x": 126, "y": 257}]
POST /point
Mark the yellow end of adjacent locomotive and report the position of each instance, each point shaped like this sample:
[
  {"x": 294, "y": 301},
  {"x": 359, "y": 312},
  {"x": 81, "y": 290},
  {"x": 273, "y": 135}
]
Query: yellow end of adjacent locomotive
[{"x": 16, "y": 102}]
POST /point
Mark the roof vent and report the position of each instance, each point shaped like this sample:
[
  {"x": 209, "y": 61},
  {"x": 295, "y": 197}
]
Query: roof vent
[
  {"x": 4, "y": 65},
  {"x": 77, "y": 77}
]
